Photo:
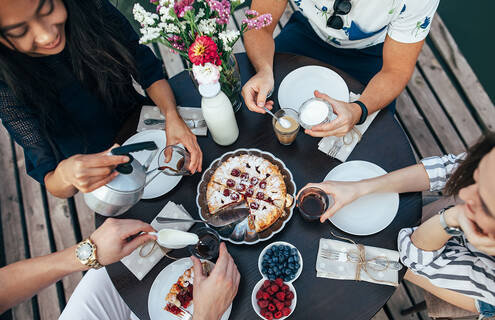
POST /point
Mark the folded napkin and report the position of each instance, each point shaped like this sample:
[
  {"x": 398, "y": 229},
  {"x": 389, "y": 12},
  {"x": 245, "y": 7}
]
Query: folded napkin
[
  {"x": 341, "y": 147},
  {"x": 344, "y": 269},
  {"x": 139, "y": 265},
  {"x": 193, "y": 117}
]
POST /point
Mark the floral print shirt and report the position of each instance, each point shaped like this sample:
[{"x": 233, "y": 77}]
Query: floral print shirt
[{"x": 369, "y": 21}]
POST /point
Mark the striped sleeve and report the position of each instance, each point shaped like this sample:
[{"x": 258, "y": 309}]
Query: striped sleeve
[
  {"x": 439, "y": 169},
  {"x": 457, "y": 266}
]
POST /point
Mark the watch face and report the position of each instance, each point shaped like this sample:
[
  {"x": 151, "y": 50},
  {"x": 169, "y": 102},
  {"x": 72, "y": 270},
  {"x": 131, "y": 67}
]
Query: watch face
[
  {"x": 454, "y": 232},
  {"x": 84, "y": 251}
]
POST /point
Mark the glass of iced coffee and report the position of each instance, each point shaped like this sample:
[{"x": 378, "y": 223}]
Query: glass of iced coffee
[{"x": 286, "y": 131}]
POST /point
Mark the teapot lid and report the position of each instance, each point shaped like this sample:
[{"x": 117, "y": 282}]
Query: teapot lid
[{"x": 129, "y": 180}]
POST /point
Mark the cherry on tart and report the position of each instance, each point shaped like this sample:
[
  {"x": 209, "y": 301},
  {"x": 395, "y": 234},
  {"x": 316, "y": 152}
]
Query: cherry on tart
[
  {"x": 235, "y": 172},
  {"x": 230, "y": 183}
]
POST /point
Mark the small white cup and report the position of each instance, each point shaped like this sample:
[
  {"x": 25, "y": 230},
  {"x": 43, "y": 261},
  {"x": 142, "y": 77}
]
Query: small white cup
[{"x": 318, "y": 105}]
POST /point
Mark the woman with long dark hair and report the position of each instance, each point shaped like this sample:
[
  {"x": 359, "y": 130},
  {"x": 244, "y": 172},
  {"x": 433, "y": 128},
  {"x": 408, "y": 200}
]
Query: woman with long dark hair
[
  {"x": 66, "y": 71},
  {"x": 452, "y": 254}
]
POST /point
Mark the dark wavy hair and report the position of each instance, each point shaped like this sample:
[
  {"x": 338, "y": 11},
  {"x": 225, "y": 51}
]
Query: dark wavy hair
[
  {"x": 463, "y": 175},
  {"x": 98, "y": 57}
]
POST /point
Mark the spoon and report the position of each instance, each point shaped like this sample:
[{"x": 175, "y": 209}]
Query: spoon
[
  {"x": 283, "y": 122},
  {"x": 175, "y": 239}
]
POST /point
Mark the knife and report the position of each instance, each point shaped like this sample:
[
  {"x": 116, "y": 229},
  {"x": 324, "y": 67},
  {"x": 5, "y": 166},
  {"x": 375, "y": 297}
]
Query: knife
[{"x": 221, "y": 218}]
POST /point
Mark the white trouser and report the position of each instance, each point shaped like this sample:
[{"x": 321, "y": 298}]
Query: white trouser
[{"x": 96, "y": 298}]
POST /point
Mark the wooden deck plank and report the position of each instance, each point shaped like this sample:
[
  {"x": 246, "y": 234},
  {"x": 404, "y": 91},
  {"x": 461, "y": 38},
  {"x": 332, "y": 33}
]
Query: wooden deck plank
[
  {"x": 417, "y": 295},
  {"x": 13, "y": 237},
  {"x": 434, "y": 114},
  {"x": 414, "y": 123},
  {"x": 38, "y": 238},
  {"x": 448, "y": 96},
  {"x": 172, "y": 61},
  {"x": 459, "y": 66},
  {"x": 63, "y": 233},
  {"x": 398, "y": 302},
  {"x": 238, "y": 46},
  {"x": 85, "y": 215}
]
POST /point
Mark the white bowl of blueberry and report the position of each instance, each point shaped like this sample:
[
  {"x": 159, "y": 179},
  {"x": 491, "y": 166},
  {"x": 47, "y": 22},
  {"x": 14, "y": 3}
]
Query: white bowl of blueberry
[{"x": 280, "y": 260}]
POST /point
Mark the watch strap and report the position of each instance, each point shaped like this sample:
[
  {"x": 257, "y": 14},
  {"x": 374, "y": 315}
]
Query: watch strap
[
  {"x": 364, "y": 112},
  {"x": 453, "y": 231},
  {"x": 92, "y": 261}
]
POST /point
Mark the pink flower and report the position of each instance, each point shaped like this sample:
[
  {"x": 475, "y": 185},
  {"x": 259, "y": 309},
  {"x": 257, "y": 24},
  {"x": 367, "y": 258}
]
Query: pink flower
[
  {"x": 251, "y": 13},
  {"x": 222, "y": 8},
  {"x": 182, "y": 6},
  {"x": 177, "y": 42},
  {"x": 257, "y": 22}
]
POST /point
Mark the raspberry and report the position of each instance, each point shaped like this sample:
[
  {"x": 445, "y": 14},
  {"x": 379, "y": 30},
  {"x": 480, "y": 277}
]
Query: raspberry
[
  {"x": 280, "y": 306},
  {"x": 269, "y": 291},
  {"x": 275, "y": 301},
  {"x": 268, "y": 315},
  {"x": 230, "y": 183},
  {"x": 254, "y": 181},
  {"x": 254, "y": 205},
  {"x": 245, "y": 176},
  {"x": 241, "y": 187},
  {"x": 250, "y": 192},
  {"x": 274, "y": 288},
  {"x": 290, "y": 295},
  {"x": 277, "y": 315},
  {"x": 234, "y": 196},
  {"x": 263, "y": 184},
  {"x": 279, "y": 282},
  {"x": 288, "y": 303},
  {"x": 285, "y": 288},
  {"x": 280, "y": 296},
  {"x": 260, "y": 195},
  {"x": 266, "y": 284},
  {"x": 271, "y": 307},
  {"x": 286, "y": 312},
  {"x": 259, "y": 294},
  {"x": 235, "y": 172},
  {"x": 266, "y": 295},
  {"x": 263, "y": 303},
  {"x": 226, "y": 192}
]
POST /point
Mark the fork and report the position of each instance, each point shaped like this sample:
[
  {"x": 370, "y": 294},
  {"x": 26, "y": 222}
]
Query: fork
[
  {"x": 336, "y": 148},
  {"x": 184, "y": 314},
  {"x": 342, "y": 257}
]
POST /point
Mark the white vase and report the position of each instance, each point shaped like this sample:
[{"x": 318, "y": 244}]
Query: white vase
[{"x": 219, "y": 114}]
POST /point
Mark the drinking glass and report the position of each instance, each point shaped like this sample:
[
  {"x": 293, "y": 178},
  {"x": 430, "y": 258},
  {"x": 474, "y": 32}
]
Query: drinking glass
[
  {"x": 312, "y": 203},
  {"x": 208, "y": 245},
  {"x": 307, "y": 105},
  {"x": 179, "y": 163},
  {"x": 286, "y": 136}
]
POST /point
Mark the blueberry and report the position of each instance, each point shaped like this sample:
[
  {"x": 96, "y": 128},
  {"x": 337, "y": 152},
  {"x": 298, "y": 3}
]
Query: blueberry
[
  {"x": 274, "y": 259},
  {"x": 292, "y": 276},
  {"x": 278, "y": 273},
  {"x": 285, "y": 264},
  {"x": 264, "y": 270},
  {"x": 275, "y": 269},
  {"x": 287, "y": 271},
  {"x": 296, "y": 258},
  {"x": 297, "y": 266},
  {"x": 291, "y": 259},
  {"x": 286, "y": 278},
  {"x": 270, "y": 271},
  {"x": 293, "y": 251},
  {"x": 269, "y": 251},
  {"x": 271, "y": 277},
  {"x": 286, "y": 254},
  {"x": 291, "y": 266}
]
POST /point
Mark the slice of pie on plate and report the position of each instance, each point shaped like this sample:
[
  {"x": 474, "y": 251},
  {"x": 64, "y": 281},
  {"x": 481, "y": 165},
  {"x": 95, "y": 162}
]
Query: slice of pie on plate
[
  {"x": 263, "y": 214},
  {"x": 219, "y": 197},
  {"x": 181, "y": 292}
]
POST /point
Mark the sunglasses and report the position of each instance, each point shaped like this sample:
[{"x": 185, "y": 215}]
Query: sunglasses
[{"x": 341, "y": 7}]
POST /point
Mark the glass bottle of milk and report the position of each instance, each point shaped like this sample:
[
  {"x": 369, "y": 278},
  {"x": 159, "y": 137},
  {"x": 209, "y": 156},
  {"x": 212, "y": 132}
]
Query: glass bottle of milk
[{"x": 219, "y": 114}]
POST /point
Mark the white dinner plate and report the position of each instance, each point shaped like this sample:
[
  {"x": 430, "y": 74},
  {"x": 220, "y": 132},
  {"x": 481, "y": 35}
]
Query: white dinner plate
[
  {"x": 369, "y": 214},
  {"x": 299, "y": 86},
  {"x": 161, "y": 286},
  {"x": 162, "y": 183}
]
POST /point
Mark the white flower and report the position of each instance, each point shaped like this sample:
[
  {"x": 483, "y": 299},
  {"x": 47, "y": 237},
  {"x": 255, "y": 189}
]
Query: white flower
[
  {"x": 228, "y": 38},
  {"x": 207, "y": 26},
  {"x": 200, "y": 14},
  {"x": 144, "y": 17},
  {"x": 169, "y": 27},
  {"x": 149, "y": 34},
  {"x": 207, "y": 74},
  {"x": 165, "y": 14}
]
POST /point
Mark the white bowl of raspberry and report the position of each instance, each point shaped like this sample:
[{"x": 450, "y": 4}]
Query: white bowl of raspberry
[{"x": 274, "y": 299}]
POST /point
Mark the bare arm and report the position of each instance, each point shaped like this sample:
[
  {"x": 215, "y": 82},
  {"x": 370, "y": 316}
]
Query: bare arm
[
  {"x": 399, "y": 60},
  {"x": 21, "y": 280},
  {"x": 409, "y": 179},
  {"x": 177, "y": 131},
  {"x": 260, "y": 48}
]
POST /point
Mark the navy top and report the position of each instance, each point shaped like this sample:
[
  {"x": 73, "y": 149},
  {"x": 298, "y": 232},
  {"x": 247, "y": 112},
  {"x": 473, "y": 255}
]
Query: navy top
[{"x": 85, "y": 124}]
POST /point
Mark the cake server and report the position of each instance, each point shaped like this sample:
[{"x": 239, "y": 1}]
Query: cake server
[{"x": 222, "y": 218}]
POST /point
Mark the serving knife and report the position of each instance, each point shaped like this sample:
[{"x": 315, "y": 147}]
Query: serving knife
[{"x": 221, "y": 218}]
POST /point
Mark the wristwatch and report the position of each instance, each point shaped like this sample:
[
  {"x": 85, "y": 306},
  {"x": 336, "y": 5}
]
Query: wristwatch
[
  {"x": 453, "y": 231},
  {"x": 364, "y": 112},
  {"x": 86, "y": 254}
]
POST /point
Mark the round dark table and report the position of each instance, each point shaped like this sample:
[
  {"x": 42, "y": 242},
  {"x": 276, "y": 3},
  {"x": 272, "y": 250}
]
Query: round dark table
[{"x": 384, "y": 143}]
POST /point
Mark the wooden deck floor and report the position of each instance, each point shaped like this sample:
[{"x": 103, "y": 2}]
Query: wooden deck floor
[{"x": 443, "y": 109}]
